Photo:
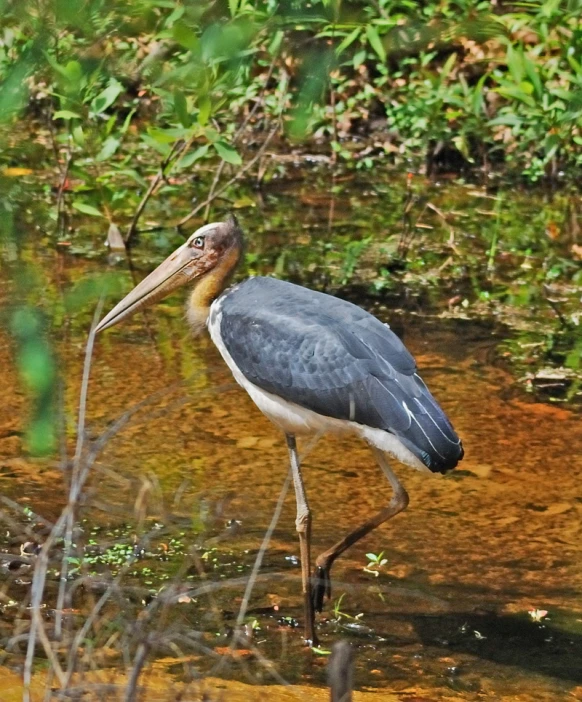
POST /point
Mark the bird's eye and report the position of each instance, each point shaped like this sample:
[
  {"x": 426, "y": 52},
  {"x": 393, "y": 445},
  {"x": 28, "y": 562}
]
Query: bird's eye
[{"x": 198, "y": 242}]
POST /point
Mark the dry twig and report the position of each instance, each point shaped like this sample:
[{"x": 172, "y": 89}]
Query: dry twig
[{"x": 178, "y": 149}]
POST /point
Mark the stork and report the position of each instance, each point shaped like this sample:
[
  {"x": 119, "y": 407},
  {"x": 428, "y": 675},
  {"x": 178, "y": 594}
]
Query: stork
[{"x": 311, "y": 363}]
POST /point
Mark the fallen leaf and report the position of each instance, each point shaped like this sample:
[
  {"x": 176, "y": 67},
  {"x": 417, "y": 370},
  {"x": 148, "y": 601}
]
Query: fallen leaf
[
  {"x": 403, "y": 570},
  {"x": 552, "y": 231},
  {"x": 247, "y": 442},
  {"x": 243, "y": 202},
  {"x": 506, "y": 521},
  {"x": 114, "y": 239},
  {"x": 233, "y": 652},
  {"x": 15, "y": 172},
  {"x": 481, "y": 471},
  {"x": 558, "y": 508},
  {"x": 538, "y": 614}
]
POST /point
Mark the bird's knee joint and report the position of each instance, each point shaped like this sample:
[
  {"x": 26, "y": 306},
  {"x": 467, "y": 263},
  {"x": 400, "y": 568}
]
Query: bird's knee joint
[
  {"x": 324, "y": 563},
  {"x": 303, "y": 522},
  {"x": 401, "y": 498}
]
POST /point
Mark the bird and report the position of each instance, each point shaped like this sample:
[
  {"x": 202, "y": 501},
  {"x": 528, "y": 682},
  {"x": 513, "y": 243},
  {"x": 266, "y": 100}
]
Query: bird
[{"x": 312, "y": 363}]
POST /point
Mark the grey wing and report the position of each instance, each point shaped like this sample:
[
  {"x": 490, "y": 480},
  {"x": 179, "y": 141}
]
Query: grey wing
[{"x": 337, "y": 360}]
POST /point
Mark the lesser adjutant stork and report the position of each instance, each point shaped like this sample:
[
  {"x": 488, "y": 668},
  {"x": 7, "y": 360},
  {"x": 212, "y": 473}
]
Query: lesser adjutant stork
[{"x": 311, "y": 363}]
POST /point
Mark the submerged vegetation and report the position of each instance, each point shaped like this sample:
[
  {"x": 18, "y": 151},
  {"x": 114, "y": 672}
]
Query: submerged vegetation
[{"x": 421, "y": 158}]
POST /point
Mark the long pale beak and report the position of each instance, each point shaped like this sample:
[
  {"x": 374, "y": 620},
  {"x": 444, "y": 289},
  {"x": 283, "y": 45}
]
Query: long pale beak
[{"x": 168, "y": 276}]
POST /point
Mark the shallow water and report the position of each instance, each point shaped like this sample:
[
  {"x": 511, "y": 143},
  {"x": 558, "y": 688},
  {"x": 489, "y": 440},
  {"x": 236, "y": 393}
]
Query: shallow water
[
  {"x": 447, "y": 617},
  {"x": 473, "y": 554},
  {"x": 475, "y": 551}
]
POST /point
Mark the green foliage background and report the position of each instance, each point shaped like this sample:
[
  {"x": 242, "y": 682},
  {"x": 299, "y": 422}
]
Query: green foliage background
[{"x": 487, "y": 81}]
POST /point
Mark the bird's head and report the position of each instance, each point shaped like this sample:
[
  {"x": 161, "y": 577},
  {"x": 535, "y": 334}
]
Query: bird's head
[{"x": 207, "y": 259}]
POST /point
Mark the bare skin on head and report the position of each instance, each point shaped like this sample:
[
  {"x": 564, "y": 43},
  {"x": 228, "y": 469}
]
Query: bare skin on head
[{"x": 207, "y": 259}]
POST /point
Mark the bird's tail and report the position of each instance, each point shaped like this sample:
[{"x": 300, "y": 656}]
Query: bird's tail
[{"x": 431, "y": 436}]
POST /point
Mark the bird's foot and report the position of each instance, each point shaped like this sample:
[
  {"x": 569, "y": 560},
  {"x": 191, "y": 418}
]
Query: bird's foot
[
  {"x": 312, "y": 642},
  {"x": 321, "y": 587}
]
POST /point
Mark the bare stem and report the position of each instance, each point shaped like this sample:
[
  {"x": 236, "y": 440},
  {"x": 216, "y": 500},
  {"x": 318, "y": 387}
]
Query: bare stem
[
  {"x": 62, "y": 184},
  {"x": 138, "y": 664},
  {"x": 262, "y": 550},
  {"x": 77, "y": 481},
  {"x": 178, "y": 148}
]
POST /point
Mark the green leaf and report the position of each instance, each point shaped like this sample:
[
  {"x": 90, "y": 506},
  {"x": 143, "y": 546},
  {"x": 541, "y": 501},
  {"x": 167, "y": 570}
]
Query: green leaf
[
  {"x": 66, "y": 114},
  {"x": 168, "y": 136},
  {"x": 175, "y": 15},
  {"x": 233, "y": 7},
  {"x": 161, "y": 147},
  {"x": 127, "y": 121},
  {"x": 348, "y": 41},
  {"x": 110, "y": 146},
  {"x": 205, "y": 110},
  {"x": 477, "y": 100},
  {"x": 185, "y": 36},
  {"x": 508, "y": 120},
  {"x": 73, "y": 72},
  {"x": 107, "y": 97},
  {"x": 551, "y": 145},
  {"x": 87, "y": 209},
  {"x": 228, "y": 153},
  {"x": 574, "y": 64},
  {"x": 54, "y": 63},
  {"x": 14, "y": 89},
  {"x": 461, "y": 143},
  {"x": 211, "y": 134},
  {"x": 111, "y": 122},
  {"x": 243, "y": 202},
  {"x": 78, "y": 135},
  {"x": 515, "y": 93},
  {"x": 276, "y": 42},
  {"x": 566, "y": 95},
  {"x": 447, "y": 68},
  {"x": 133, "y": 174},
  {"x": 534, "y": 76},
  {"x": 187, "y": 160},
  {"x": 549, "y": 7},
  {"x": 181, "y": 108},
  {"x": 359, "y": 58},
  {"x": 376, "y": 42},
  {"x": 514, "y": 60}
]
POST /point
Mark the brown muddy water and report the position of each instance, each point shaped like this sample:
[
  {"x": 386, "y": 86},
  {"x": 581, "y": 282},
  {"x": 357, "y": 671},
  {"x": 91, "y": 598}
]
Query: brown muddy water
[{"x": 456, "y": 611}]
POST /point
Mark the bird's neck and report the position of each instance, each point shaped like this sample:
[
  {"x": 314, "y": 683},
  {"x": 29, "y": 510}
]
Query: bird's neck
[{"x": 208, "y": 288}]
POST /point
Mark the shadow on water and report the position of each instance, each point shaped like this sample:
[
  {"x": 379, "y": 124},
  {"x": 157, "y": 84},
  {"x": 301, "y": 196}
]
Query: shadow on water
[{"x": 508, "y": 640}]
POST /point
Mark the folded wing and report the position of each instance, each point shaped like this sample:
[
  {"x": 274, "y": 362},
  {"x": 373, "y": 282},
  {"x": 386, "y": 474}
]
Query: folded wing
[{"x": 333, "y": 358}]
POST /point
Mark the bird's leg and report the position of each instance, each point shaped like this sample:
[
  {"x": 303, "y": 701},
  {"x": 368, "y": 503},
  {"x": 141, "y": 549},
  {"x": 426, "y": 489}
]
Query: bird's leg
[
  {"x": 398, "y": 503},
  {"x": 303, "y": 526}
]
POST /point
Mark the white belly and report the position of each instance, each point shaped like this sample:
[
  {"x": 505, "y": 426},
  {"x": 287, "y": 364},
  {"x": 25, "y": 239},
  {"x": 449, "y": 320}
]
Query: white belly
[{"x": 294, "y": 419}]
